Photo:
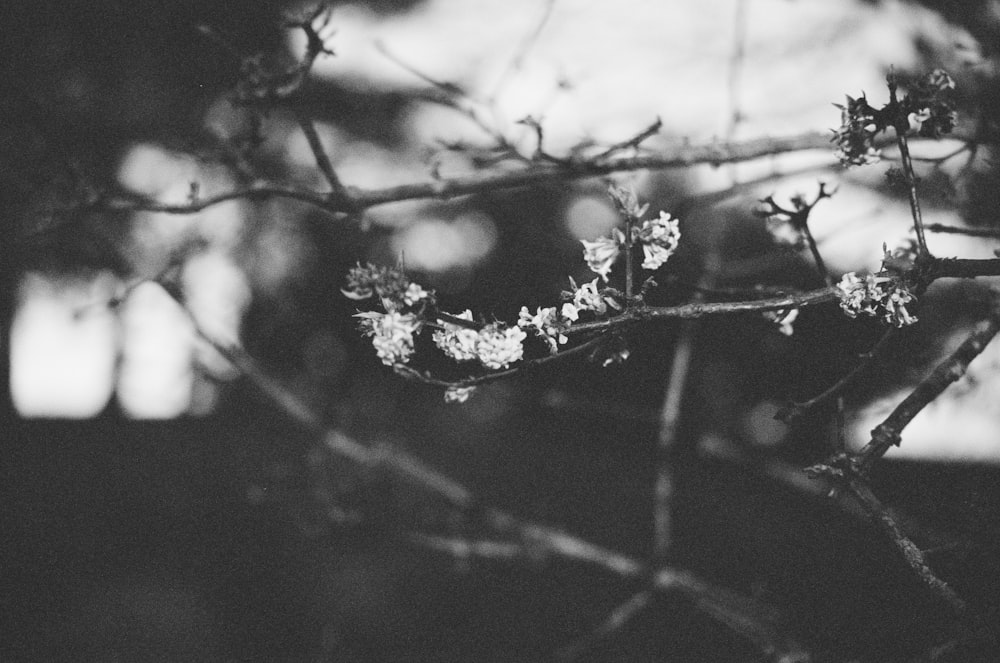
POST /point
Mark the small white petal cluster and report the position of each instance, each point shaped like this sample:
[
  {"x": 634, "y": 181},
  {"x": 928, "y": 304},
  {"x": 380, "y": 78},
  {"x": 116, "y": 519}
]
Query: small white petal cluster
[
  {"x": 392, "y": 334},
  {"x": 458, "y": 394},
  {"x": 457, "y": 342},
  {"x": 784, "y": 319},
  {"x": 588, "y": 298},
  {"x": 875, "y": 295},
  {"x": 659, "y": 238},
  {"x": 602, "y": 253},
  {"x": 498, "y": 346},
  {"x": 549, "y": 324}
]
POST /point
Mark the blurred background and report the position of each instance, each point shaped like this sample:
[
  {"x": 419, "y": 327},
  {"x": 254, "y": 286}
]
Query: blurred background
[{"x": 157, "y": 508}]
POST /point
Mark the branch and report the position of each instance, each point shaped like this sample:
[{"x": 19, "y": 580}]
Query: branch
[
  {"x": 670, "y": 417},
  {"x": 741, "y": 614},
  {"x": 955, "y": 230},
  {"x": 697, "y": 310},
  {"x": 911, "y": 553},
  {"x": 901, "y": 126},
  {"x": 963, "y": 268},
  {"x": 259, "y": 191},
  {"x": 337, "y": 189},
  {"x": 889, "y": 432},
  {"x": 615, "y": 621},
  {"x": 425, "y": 377},
  {"x": 793, "y": 411}
]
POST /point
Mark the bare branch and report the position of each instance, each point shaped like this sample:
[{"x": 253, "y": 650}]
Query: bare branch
[
  {"x": 955, "y": 230},
  {"x": 615, "y": 621},
  {"x": 911, "y": 553},
  {"x": 889, "y": 432},
  {"x": 901, "y": 125},
  {"x": 793, "y": 411},
  {"x": 698, "y": 310},
  {"x": 742, "y": 614},
  {"x": 337, "y": 189}
]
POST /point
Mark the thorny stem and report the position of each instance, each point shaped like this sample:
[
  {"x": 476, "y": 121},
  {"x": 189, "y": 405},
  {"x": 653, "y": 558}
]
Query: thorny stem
[{"x": 901, "y": 124}]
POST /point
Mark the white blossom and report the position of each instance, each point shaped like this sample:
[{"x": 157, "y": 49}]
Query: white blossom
[
  {"x": 602, "y": 253},
  {"x": 784, "y": 319},
  {"x": 874, "y": 295},
  {"x": 498, "y": 347},
  {"x": 588, "y": 297},
  {"x": 659, "y": 238},
  {"x": 458, "y": 394},
  {"x": 547, "y": 324},
  {"x": 392, "y": 334},
  {"x": 456, "y": 341},
  {"x": 570, "y": 312},
  {"x": 414, "y": 293}
]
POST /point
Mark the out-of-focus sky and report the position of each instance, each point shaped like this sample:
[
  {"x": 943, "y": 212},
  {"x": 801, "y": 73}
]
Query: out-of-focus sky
[{"x": 585, "y": 69}]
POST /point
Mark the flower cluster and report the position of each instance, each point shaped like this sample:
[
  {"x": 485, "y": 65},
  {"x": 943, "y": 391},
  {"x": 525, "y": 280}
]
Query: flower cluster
[
  {"x": 390, "y": 284},
  {"x": 875, "y": 294},
  {"x": 588, "y": 297},
  {"x": 929, "y": 105},
  {"x": 549, "y": 323},
  {"x": 855, "y": 139},
  {"x": 499, "y": 346},
  {"x": 392, "y": 334},
  {"x": 495, "y": 346},
  {"x": 658, "y": 237},
  {"x": 602, "y": 253},
  {"x": 784, "y": 319},
  {"x": 407, "y": 308}
]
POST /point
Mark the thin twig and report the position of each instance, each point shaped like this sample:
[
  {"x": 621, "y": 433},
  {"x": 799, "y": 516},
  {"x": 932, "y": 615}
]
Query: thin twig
[
  {"x": 424, "y": 377},
  {"x": 614, "y": 622},
  {"x": 517, "y": 61},
  {"x": 337, "y": 189},
  {"x": 670, "y": 416},
  {"x": 793, "y": 411},
  {"x": 901, "y": 125}
]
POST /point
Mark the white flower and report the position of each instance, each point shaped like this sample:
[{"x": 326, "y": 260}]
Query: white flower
[
  {"x": 497, "y": 347},
  {"x": 458, "y": 342},
  {"x": 458, "y": 394},
  {"x": 602, "y": 253},
  {"x": 546, "y": 324},
  {"x": 414, "y": 293},
  {"x": 895, "y": 307},
  {"x": 570, "y": 312},
  {"x": 659, "y": 238},
  {"x": 392, "y": 334},
  {"x": 784, "y": 319},
  {"x": 873, "y": 295},
  {"x": 588, "y": 298}
]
